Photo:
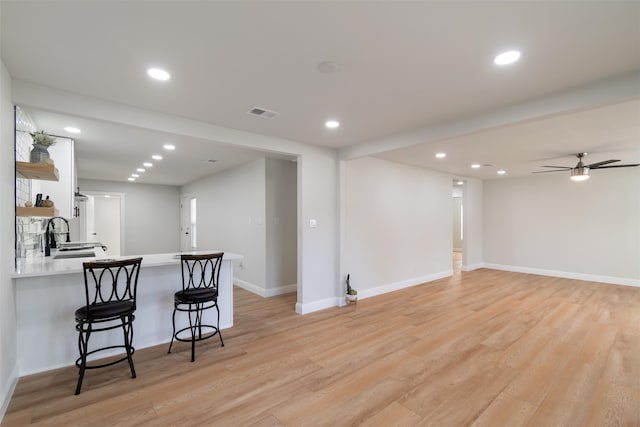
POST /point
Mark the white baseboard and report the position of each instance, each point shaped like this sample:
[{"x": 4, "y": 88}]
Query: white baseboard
[
  {"x": 265, "y": 293},
  {"x": 472, "y": 267},
  {"x": 318, "y": 305},
  {"x": 566, "y": 274},
  {"x": 281, "y": 290},
  {"x": 249, "y": 287},
  {"x": 7, "y": 393},
  {"x": 367, "y": 293}
]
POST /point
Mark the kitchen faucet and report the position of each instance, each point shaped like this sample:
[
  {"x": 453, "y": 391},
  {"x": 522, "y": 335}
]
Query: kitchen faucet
[{"x": 49, "y": 236}]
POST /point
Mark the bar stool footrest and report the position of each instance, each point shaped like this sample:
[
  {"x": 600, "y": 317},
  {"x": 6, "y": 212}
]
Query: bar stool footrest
[
  {"x": 211, "y": 331},
  {"x": 125, "y": 357}
]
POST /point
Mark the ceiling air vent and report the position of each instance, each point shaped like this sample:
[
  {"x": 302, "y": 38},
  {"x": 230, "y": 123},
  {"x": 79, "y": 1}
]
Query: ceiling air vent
[{"x": 262, "y": 112}]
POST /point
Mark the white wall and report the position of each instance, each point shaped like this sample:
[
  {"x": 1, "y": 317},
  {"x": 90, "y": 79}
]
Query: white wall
[
  {"x": 551, "y": 225},
  {"x": 281, "y": 226},
  {"x": 231, "y": 217},
  {"x": 318, "y": 255},
  {"x": 397, "y": 225},
  {"x": 151, "y": 218},
  {"x": 8, "y": 340},
  {"x": 472, "y": 243}
]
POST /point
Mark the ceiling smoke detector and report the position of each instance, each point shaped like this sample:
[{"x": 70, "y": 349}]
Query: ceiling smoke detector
[
  {"x": 262, "y": 112},
  {"x": 327, "y": 67}
]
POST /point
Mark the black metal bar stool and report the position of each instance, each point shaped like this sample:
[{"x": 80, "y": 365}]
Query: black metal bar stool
[
  {"x": 110, "y": 290},
  {"x": 200, "y": 277}
]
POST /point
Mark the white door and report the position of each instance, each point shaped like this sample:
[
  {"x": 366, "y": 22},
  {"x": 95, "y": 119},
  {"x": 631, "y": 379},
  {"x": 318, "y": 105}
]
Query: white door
[
  {"x": 104, "y": 223},
  {"x": 188, "y": 230}
]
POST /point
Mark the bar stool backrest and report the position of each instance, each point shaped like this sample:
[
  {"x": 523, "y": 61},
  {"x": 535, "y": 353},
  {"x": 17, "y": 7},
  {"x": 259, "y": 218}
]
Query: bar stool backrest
[
  {"x": 111, "y": 281},
  {"x": 201, "y": 271}
]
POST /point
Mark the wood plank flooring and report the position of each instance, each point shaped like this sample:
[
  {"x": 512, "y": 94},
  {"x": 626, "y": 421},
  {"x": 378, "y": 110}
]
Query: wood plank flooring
[{"x": 482, "y": 348}]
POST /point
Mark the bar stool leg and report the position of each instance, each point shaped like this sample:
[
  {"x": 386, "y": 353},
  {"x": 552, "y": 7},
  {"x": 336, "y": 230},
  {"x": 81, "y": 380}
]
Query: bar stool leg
[
  {"x": 194, "y": 324},
  {"x": 83, "y": 346},
  {"x": 219, "y": 332},
  {"x": 127, "y": 328},
  {"x": 173, "y": 335}
]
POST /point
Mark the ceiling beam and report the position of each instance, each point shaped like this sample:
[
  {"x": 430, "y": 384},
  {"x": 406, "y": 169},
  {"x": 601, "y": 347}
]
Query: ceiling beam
[{"x": 605, "y": 92}]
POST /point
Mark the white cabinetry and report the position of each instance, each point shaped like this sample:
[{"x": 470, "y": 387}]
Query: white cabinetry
[{"x": 61, "y": 191}]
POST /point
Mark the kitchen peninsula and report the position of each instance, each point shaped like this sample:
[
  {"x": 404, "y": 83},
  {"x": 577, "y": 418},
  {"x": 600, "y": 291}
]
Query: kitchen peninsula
[{"x": 49, "y": 290}]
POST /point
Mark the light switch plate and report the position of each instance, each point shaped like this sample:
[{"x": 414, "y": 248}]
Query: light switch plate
[{"x": 313, "y": 223}]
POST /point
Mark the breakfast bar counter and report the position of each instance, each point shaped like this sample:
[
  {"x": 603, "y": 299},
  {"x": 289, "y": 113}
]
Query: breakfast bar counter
[{"x": 48, "y": 291}]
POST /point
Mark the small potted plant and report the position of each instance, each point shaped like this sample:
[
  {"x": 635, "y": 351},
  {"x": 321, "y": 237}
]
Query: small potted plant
[
  {"x": 352, "y": 294},
  {"x": 41, "y": 142}
]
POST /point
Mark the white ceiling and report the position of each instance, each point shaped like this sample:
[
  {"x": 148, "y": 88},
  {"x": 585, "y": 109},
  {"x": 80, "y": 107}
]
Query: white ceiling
[
  {"x": 111, "y": 152},
  {"x": 611, "y": 132},
  {"x": 401, "y": 66}
]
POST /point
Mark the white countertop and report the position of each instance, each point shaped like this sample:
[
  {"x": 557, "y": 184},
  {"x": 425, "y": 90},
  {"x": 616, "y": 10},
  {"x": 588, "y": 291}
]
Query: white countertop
[{"x": 48, "y": 266}]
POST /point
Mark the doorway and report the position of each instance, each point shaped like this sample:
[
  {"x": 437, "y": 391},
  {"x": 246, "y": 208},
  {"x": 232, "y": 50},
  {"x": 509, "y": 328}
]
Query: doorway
[{"x": 458, "y": 229}]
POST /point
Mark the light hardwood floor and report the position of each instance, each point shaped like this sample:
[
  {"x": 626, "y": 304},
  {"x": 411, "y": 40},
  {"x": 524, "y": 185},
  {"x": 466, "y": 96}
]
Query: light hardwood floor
[{"x": 483, "y": 348}]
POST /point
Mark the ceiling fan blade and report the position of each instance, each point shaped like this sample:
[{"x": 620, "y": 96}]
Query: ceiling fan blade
[
  {"x": 558, "y": 170},
  {"x": 598, "y": 164},
  {"x": 559, "y": 167},
  {"x": 617, "y": 166}
]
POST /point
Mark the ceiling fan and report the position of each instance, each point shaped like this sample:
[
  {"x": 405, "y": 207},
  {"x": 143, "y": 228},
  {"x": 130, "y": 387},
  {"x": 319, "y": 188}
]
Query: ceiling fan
[{"x": 580, "y": 172}]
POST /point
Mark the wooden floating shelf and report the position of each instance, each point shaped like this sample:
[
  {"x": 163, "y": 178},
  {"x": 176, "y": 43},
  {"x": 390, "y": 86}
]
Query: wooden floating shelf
[
  {"x": 33, "y": 211},
  {"x": 43, "y": 171}
]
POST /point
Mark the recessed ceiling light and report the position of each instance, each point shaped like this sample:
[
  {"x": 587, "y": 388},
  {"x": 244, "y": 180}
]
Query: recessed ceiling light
[
  {"x": 460, "y": 182},
  {"x": 506, "y": 58},
  {"x": 135, "y": 175},
  {"x": 107, "y": 196},
  {"x": 140, "y": 169},
  {"x": 169, "y": 147},
  {"x": 501, "y": 172},
  {"x": 332, "y": 124},
  {"x": 131, "y": 179},
  {"x": 158, "y": 74},
  {"x": 156, "y": 157},
  {"x": 147, "y": 164},
  {"x": 475, "y": 166},
  {"x": 441, "y": 155},
  {"x": 72, "y": 129}
]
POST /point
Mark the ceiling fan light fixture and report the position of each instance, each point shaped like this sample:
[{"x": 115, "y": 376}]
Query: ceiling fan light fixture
[{"x": 580, "y": 174}]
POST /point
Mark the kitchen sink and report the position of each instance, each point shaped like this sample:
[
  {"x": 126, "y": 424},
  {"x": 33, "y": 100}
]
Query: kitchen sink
[
  {"x": 75, "y": 255},
  {"x": 79, "y": 248}
]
